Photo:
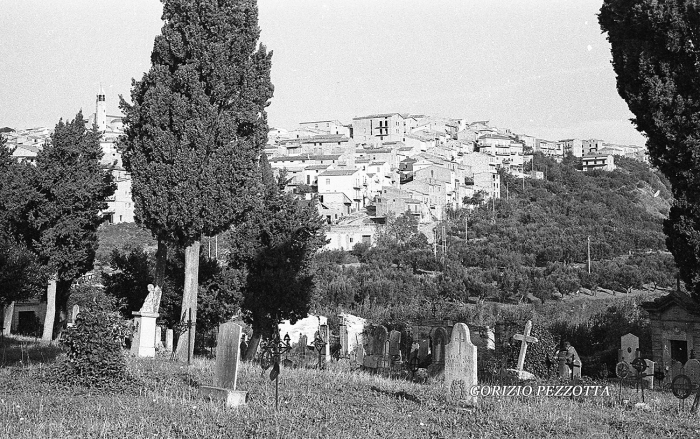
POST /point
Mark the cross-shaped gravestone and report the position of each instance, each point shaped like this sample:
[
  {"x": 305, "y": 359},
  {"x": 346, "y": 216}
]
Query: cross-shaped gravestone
[{"x": 524, "y": 338}]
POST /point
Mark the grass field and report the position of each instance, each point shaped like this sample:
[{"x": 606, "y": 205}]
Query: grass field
[{"x": 336, "y": 403}]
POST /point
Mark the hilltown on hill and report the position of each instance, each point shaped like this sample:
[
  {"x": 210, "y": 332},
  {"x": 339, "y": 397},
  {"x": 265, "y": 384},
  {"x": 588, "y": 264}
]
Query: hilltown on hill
[{"x": 379, "y": 165}]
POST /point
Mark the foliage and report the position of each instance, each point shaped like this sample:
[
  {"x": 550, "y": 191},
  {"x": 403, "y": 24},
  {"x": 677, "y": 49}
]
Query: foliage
[
  {"x": 73, "y": 189},
  {"x": 94, "y": 349},
  {"x": 118, "y": 236},
  {"x": 196, "y": 127},
  {"x": 197, "y": 123},
  {"x": 274, "y": 248},
  {"x": 129, "y": 278},
  {"x": 91, "y": 295},
  {"x": 21, "y": 274},
  {"x": 655, "y": 56}
]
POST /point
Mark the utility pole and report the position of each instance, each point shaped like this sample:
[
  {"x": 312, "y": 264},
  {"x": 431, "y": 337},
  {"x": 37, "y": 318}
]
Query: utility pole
[
  {"x": 466, "y": 226},
  {"x": 435, "y": 242},
  {"x": 589, "y": 254}
]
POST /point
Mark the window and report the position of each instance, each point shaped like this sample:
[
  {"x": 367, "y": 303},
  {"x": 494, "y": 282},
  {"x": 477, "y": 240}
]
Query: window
[
  {"x": 350, "y": 239},
  {"x": 328, "y": 181}
]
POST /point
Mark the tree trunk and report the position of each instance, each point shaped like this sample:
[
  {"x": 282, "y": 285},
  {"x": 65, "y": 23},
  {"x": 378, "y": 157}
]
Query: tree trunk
[
  {"x": 161, "y": 262},
  {"x": 253, "y": 346},
  {"x": 189, "y": 301},
  {"x": 50, "y": 311}
]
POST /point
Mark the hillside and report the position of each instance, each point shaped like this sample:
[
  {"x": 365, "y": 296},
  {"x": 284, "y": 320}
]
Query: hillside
[{"x": 531, "y": 243}]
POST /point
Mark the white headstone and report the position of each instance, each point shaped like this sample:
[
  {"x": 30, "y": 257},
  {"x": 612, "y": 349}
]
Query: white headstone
[
  {"x": 9, "y": 314},
  {"x": 629, "y": 343},
  {"x": 460, "y": 366}
]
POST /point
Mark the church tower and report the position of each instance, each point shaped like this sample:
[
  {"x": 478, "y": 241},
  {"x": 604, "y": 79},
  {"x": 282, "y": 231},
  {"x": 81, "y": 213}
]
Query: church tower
[{"x": 101, "y": 110}]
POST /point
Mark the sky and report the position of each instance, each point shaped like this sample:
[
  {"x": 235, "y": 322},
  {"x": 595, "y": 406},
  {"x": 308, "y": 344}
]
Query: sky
[{"x": 538, "y": 67}]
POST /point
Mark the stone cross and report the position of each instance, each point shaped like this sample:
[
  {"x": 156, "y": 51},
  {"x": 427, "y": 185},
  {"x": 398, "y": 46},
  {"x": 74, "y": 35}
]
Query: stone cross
[
  {"x": 460, "y": 366},
  {"x": 226, "y": 367},
  {"x": 524, "y": 338}
]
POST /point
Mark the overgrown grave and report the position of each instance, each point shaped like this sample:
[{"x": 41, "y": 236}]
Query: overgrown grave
[{"x": 94, "y": 355}]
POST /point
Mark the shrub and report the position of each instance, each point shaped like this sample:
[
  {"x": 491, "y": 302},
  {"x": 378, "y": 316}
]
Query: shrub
[{"x": 94, "y": 349}]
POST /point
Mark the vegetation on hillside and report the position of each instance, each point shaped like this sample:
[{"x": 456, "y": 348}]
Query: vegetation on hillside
[{"x": 531, "y": 243}]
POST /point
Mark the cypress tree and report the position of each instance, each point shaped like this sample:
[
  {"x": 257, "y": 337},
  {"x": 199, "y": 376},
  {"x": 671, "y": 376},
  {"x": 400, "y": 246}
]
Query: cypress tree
[
  {"x": 196, "y": 127},
  {"x": 656, "y": 56},
  {"x": 73, "y": 187}
]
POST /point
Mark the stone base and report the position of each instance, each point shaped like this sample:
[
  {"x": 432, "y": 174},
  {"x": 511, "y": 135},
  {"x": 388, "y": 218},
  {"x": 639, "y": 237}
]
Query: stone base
[
  {"x": 520, "y": 375},
  {"x": 232, "y": 398}
]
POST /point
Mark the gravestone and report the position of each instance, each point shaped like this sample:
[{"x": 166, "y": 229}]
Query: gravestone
[
  {"x": 563, "y": 368},
  {"x": 74, "y": 313},
  {"x": 629, "y": 344},
  {"x": 143, "y": 342},
  {"x": 344, "y": 341},
  {"x": 439, "y": 342},
  {"x": 395, "y": 344},
  {"x": 159, "y": 338},
  {"x": 169, "y": 336},
  {"x": 460, "y": 366},
  {"x": 649, "y": 372},
  {"x": 326, "y": 336},
  {"x": 226, "y": 367},
  {"x": 302, "y": 347},
  {"x": 423, "y": 351},
  {"x": 490, "y": 339},
  {"x": 675, "y": 369},
  {"x": 360, "y": 354},
  {"x": 380, "y": 336},
  {"x": 7, "y": 319},
  {"x": 692, "y": 369}
]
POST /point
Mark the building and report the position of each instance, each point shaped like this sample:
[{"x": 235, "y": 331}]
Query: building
[
  {"x": 332, "y": 206},
  {"x": 377, "y": 128},
  {"x": 592, "y": 161},
  {"x": 327, "y": 126},
  {"x": 591, "y": 146},
  {"x": 351, "y": 182},
  {"x": 572, "y": 146},
  {"x": 675, "y": 328}
]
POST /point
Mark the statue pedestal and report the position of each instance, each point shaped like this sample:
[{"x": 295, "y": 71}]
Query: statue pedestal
[{"x": 144, "y": 342}]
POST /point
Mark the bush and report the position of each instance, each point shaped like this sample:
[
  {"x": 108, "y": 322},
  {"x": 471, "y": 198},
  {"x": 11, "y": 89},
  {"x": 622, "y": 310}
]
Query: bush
[{"x": 94, "y": 349}]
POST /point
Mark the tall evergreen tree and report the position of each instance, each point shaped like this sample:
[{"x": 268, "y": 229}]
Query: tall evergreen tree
[
  {"x": 656, "y": 56},
  {"x": 21, "y": 275},
  {"x": 274, "y": 247},
  {"x": 73, "y": 188},
  {"x": 196, "y": 127}
]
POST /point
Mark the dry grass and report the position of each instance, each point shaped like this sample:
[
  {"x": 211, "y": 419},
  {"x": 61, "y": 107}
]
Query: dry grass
[{"x": 337, "y": 403}]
